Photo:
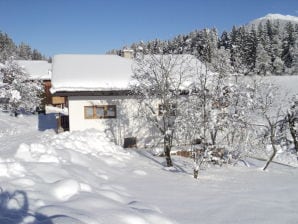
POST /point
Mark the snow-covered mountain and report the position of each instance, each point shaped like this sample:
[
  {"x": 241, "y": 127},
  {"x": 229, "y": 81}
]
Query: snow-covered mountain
[{"x": 281, "y": 19}]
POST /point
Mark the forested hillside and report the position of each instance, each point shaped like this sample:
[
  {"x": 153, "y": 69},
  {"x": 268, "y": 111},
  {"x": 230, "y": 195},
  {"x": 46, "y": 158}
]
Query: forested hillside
[
  {"x": 23, "y": 51},
  {"x": 265, "y": 47}
]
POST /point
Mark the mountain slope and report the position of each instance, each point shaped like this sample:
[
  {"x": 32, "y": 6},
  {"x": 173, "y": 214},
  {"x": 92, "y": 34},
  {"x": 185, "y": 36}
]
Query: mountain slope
[{"x": 281, "y": 19}]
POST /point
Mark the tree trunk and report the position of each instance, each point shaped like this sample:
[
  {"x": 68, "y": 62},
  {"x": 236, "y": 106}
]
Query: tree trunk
[
  {"x": 293, "y": 131},
  {"x": 196, "y": 173},
  {"x": 167, "y": 150},
  {"x": 213, "y": 137},
  {"x": 272, "y": 139},
  {"x": 196, "y": 165},
  {"x": 271, "y": 157}
]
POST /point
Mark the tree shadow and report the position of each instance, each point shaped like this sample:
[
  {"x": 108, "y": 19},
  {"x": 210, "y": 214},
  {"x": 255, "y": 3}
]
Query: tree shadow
[
  {"x": 14, "y": 208},
  {"x": 147, "y": 155},
  {"x": 117, "y": 127},
  {"x": 129, "y": 124}
]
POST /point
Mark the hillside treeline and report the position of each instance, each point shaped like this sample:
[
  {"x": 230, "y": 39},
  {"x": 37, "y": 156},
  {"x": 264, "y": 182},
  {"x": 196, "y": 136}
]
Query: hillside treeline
[
  {"x": 22, "y": 51},
  {"x": 266, "y": 49}
]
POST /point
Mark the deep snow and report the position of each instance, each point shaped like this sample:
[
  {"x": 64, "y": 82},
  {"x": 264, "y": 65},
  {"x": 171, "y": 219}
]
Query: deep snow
[{"x": 82, "y": 177}]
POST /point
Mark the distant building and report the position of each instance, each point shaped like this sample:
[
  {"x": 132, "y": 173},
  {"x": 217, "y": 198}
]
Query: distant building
[
  {"x": 128, "y": 53},
  {"x": 97, "y": 93}
]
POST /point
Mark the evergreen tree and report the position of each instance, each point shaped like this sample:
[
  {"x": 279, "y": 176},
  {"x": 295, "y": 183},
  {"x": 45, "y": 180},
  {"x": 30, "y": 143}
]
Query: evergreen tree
[
  {"x": 264, "y": 66},
  {"x": 236, "y": 51},
  {"x": 36, "y": 55},
  {"x": 209, "y": 45},
  {"x": 24, "y": 51},
  {"x": 269, "y": 30},
  {"x": 197, "y": 43},
  {"x": 287, "y": 45},
  {"x": 295, "y": 59},
  {"x": 225, "y": 40},
  {"x": 7, "y": 47},
  {"x": 263, "y": 61},
  {"x": 249, "y": 49},
  {"x": 277, "y": 63},
  {"x": 277, "y": 66}
]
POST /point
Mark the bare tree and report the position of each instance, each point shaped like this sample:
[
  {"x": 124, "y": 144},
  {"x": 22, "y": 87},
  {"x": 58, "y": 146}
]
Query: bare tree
[
  {"x": 215, "y": 109},
  {"x": 270, "y": 109},
  {"x": 159, "y": 82}
]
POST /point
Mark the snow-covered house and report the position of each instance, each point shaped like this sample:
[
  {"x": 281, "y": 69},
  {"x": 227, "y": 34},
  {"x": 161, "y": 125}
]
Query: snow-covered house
[{"x": 96, "y": 87}]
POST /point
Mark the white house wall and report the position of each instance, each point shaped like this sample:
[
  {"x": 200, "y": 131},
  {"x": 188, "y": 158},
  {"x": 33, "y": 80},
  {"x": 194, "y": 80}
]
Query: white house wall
[{"x": 126, "y": 124}]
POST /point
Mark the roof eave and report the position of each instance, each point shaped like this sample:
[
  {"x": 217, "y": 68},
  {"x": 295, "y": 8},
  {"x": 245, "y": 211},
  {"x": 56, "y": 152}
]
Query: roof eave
[{"x": 94, "y": 93}]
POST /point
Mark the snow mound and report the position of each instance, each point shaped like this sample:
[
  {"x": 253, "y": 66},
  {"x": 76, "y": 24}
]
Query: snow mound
[
  {"x": 36, "y": 153},
  {"x": 90, "y": 143},
  {"x": 11, "y": 169},
  {"x": 65, "y": 189},
  {"x": 11, "y": 126},
  {"x": 72, "y": 178},
  {"x": 74, "y": 144}
]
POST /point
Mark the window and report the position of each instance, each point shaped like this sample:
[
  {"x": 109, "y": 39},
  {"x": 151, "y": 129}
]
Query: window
[
  {"x": 98, "y": 112},
  {"x": 88, "y": 112},
  {"x": 172, "y": 109}
]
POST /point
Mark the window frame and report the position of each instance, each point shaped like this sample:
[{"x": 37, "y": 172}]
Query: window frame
[{"x": 105, "y": 108}]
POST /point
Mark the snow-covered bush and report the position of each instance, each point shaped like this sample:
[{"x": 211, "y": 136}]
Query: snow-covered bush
[{"x": 22, "y": 92}]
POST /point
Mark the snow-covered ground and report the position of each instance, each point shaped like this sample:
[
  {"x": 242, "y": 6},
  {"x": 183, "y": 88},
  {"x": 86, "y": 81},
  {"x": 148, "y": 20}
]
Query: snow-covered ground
[{"x": 82, "y": 177}]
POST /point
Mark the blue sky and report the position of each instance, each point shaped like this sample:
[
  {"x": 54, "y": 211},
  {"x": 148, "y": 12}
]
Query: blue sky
[{"x": 96, "y": 26}]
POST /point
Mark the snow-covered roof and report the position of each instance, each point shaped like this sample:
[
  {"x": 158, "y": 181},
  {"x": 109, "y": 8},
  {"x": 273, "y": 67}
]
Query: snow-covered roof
[
  {"x": 128, "y": 50},
  {"x": 36, "y": 69},
  {"x": 77, "y": 72}
]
